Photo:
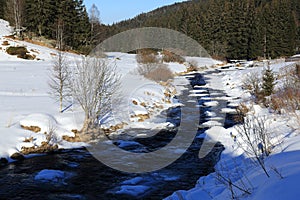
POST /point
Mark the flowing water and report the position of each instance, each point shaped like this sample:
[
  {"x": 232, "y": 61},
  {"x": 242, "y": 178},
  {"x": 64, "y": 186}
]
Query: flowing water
[{"x": 87, "y": 178}]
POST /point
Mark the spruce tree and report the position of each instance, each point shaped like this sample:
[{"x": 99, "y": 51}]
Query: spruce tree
[
  {"x": 2, "y": 6},
  {"x": 268, "y": 82}
]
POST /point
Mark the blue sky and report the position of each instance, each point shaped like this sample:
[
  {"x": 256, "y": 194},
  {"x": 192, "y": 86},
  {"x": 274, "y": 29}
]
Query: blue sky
[{"x": 117, "y": 10}]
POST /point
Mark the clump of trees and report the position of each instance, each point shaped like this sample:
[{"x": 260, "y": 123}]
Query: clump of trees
[
  {"x": 52, "y": 19},
  {"x": 261, "y": 86}
]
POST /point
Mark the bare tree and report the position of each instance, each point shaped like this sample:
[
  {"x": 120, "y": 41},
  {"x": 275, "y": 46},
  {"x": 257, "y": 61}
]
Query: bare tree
[
  {"x": 94, "y": 17},
  {"x": 60, "y": 35},
  {"x": 94, "y": 82},
  {"x": 15, "y": 11},
  {"x": 59, "y": 80},
  {"x": 95, "y": 22}
]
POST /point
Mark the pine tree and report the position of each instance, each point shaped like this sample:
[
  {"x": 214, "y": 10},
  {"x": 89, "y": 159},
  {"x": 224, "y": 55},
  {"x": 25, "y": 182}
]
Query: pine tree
[
  {"x": 2, "y": 7},
  {"x": 40, "y": 16},
  {"x": 268, "y": 82}
]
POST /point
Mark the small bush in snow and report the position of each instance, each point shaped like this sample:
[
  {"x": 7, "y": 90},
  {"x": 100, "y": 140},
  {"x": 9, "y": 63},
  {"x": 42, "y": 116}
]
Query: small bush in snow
[
  {"x": 147, "y": 56},
  {"x": 193, "y": 66},
  {"x": 252, "y": 83},
  {"x": 160, "y": 73},
  {"x": 169, "y": 56},
  {"x": 288, "y": 95}
]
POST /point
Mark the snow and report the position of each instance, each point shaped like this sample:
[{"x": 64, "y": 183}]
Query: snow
[
  {"x": 133, "y": 190},
  {"x": 211, "y": 104},
  {"x": 48, "y": 175},
  {"x": 25, "y": 101},
  {"x": 133, "y": 181},
  {"x": 5, "y": 29},
  {"x": 282, "y": 165}
]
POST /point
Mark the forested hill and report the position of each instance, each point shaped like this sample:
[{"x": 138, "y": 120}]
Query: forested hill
[
  {"x": 236, "y": 29},
  {"x": 66, "y": 20},
  {"x": 231, "y": 28}
]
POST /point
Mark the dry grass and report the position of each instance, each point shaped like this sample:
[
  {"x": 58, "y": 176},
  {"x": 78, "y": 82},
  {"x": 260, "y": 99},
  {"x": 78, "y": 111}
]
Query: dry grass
[
  {"x": 20, "y": 52},
  {"x": 193, "y": 66},
  {"x": 5, "y": 43},
  {"x": 241, "y": 111},
  {"x": 288, "y": 96},
  {"x": 34, "y": 129},
  {"x": 287, "y": 99},
  {"x": 172, "y": 57},
  {"x": 160, "y": 73},
  {"x": 146, "y": 56}
]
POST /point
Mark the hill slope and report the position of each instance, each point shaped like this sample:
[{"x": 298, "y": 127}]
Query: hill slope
[{"x": 230, "y": 28}]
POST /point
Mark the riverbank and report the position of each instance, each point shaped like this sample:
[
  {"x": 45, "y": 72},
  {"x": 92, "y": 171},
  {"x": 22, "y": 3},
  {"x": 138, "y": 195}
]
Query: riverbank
[{"x": 237, "y": 174}]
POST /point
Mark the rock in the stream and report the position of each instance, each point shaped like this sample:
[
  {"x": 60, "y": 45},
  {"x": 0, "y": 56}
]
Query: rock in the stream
[{"x": 17, "y": 156}]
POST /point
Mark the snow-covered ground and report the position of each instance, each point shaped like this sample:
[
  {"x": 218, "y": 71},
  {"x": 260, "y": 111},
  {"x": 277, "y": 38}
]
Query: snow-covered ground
[
  {"x": 235, "y": 165},
  {"x": 25, "y": 100}
]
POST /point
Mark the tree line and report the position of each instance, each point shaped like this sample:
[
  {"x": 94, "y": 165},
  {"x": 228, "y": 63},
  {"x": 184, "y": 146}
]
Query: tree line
[
  {"x": 66, "y": 21},
  {"x": 236, "y": 29}
]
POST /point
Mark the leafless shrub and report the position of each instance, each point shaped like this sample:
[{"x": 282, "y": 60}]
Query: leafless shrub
[
  {"x": 144, "y": 69},
  {"x": 254, "y": 139},
  {"x": 51, "y": 137},
  {"x": 160, "y": 73},
  {"x": 147, "y": 56},
  {"x": 241, "y": 111},
  {"x": 252, "y": 83},
  {"x": 288, "y": 95},
  {"x": 93, "y": 84},
  {"x": 287, "y": 99},
  {"x": 290, "y": 76},
  {"x": 169, "y": 56},
  {"x": 193, "y": 66}
]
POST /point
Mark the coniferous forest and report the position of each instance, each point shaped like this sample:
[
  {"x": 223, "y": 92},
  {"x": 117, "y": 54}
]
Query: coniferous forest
[{"x": 236, "y": 29}]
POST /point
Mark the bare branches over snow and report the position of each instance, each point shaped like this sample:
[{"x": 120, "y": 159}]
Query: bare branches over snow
[{"x": 93, "y": 83}]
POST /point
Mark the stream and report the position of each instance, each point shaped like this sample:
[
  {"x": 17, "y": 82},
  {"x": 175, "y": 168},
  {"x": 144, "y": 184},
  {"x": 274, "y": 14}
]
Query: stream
[{"x": 84, "y": 177}]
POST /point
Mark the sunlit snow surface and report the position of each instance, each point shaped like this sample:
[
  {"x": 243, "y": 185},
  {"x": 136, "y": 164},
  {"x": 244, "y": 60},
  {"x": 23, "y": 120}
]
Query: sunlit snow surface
[{"x": 283, "y": 164}]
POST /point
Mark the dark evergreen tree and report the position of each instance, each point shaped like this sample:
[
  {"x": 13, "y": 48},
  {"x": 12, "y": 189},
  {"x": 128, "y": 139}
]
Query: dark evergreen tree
[
  {"x": 268, "y": 82},
  {"x": 40, "y": 16},
  {"x": 2, "y": 8}
]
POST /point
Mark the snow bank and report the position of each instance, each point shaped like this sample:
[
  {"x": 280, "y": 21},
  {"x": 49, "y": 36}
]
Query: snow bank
[
  {"x": 5, "y": 29},
  {"x": 133, "y": 190},
  {"x": 48, "y": 175},
  {"x": 282, "y": 165}
]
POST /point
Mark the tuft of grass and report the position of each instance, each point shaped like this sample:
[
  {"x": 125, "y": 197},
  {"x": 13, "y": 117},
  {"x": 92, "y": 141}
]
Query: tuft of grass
[{"x": 169, "y": 56}]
